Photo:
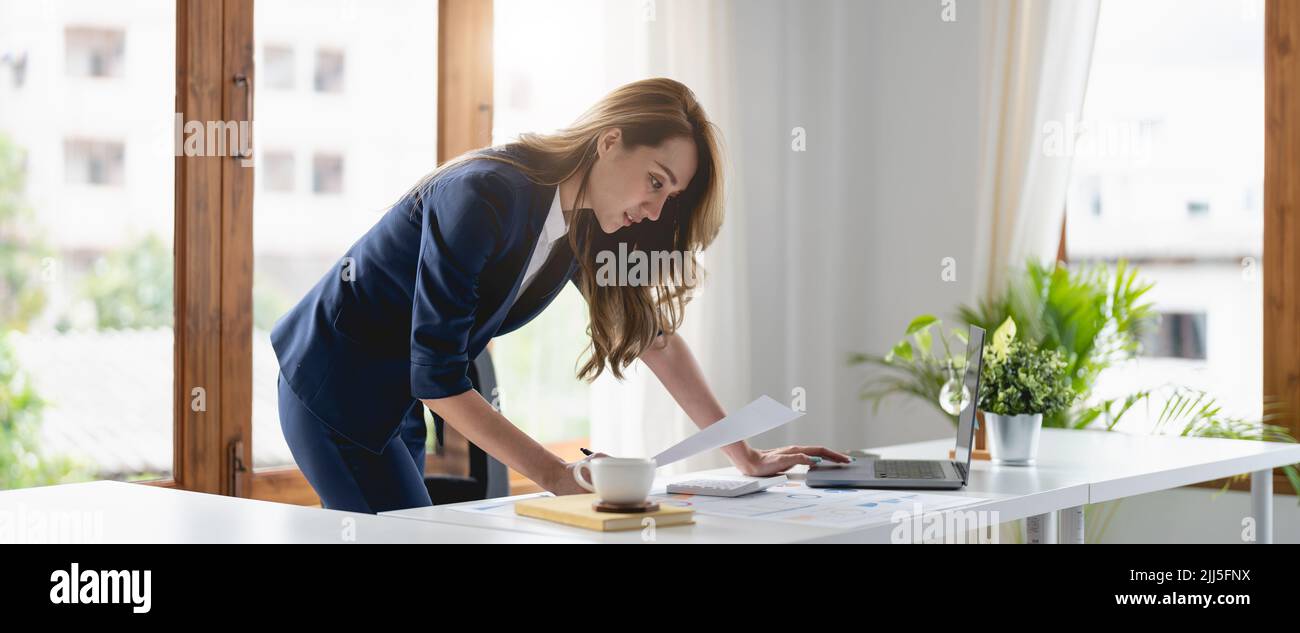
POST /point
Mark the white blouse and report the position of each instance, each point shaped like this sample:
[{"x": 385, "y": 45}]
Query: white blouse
[{"x": 552, "y": 231}]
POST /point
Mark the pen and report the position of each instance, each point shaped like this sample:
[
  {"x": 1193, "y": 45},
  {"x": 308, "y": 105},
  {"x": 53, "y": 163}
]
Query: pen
[{"x": 585, "y": 452}]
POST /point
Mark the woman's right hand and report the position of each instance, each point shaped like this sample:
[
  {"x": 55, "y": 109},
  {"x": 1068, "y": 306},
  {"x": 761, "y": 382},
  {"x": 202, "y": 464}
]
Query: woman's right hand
[{"x": 564, "y": 482}]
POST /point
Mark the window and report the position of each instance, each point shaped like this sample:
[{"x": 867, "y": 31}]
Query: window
[
  {"x": 545, "y": 76},
  {"x": 1179, "y": 335},
  {"x": 89, "y": 162},
  {"x": 86, "y": 277},
  {"x": 17, "y": 64},
  {"x": 330, "y": 193},
  {"x": 95, "y": 52},
  {"x": 1191, "y": 74},
  {"x": 329, "y": 70},
  {"x": 277, "y": 171},
  {"x": 1252, "y": 200},
  {"x": 327, "y": 174},
  {"x": 277, "y": 67}
]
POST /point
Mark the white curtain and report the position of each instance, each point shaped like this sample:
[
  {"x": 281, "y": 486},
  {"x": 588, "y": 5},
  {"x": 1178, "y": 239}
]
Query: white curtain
[
  {"x": 1033, "y": 74},
  {"x": 689, "y": 41}
]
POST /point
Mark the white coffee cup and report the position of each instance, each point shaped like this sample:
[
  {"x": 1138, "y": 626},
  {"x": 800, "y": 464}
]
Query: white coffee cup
[{"x": 617, "y": 480}]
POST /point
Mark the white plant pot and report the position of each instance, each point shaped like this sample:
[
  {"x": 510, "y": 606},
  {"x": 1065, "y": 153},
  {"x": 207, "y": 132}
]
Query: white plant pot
[{"x": 1013, "y": 439}]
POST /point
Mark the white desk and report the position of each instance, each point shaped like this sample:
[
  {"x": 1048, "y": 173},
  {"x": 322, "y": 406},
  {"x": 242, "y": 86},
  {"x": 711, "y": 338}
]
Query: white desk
[
  {"x": 1074, "y": 468},
  {"x": 1117, "y": 465},
  {"x": 118, "y": 512},
  {"x": 1034, "y": 495}
]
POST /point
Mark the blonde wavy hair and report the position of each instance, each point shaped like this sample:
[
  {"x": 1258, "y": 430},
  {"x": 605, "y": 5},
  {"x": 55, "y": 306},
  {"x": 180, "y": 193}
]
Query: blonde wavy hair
[{"x": 625, "y": 320}]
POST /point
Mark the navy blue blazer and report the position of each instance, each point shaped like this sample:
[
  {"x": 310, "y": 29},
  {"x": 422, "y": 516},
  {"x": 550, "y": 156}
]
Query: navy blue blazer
[{"x": 418, "y": 297}]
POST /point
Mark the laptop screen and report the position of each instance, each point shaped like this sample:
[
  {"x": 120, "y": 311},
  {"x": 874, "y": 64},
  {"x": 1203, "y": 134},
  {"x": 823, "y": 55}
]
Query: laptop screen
[{"x": 971, "y": 381}]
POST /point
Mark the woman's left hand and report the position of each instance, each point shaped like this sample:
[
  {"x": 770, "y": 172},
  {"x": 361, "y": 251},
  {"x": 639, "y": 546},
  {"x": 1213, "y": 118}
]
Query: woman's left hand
[{"x": 762, "y": 463}]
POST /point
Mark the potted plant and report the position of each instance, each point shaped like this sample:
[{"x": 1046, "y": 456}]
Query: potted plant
[
  {"x": 1018, "y": 386},
  {"x": 1095, "y": 316}
]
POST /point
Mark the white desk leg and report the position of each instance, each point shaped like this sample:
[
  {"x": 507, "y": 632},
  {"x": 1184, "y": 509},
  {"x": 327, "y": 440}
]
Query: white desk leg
[
  {"x": 1041, "y": 528},
  {"x": 1072, "y": 525},
  {"x": 1261, "y": 504}
]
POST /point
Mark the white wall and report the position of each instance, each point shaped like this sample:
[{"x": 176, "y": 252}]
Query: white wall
[{"x": 845, "y": 240}]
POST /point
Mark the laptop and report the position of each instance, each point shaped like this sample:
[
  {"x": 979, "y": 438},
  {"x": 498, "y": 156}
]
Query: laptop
[{"x": 946, "y": 474}]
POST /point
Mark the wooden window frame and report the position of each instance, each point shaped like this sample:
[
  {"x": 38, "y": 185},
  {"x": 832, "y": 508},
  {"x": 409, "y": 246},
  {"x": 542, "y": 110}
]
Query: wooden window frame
[{"x": 212, "y": 282}]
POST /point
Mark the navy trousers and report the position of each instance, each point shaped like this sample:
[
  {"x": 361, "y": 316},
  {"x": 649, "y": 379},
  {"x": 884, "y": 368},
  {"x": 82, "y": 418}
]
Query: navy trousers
[{"x": 348, "y": 476}]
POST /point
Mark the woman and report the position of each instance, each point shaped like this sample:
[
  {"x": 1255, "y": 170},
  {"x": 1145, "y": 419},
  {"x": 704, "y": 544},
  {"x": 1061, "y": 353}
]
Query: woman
[{"x": 477, "y": 249}]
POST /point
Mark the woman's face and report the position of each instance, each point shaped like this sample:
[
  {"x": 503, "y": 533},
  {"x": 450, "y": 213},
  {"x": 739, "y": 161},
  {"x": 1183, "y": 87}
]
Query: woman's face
[{"x": 629, "y": 185}]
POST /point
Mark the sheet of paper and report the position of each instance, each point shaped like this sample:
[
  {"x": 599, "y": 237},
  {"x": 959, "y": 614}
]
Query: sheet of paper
[
  {"x": 495, "y": 507},
  {"x": 763, "y": 414},
  {"x": 796, "y": 503}
]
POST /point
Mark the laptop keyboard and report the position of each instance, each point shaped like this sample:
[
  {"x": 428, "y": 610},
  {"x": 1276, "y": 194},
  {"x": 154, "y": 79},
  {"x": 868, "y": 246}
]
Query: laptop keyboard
[{"x": 908, "y": 469}]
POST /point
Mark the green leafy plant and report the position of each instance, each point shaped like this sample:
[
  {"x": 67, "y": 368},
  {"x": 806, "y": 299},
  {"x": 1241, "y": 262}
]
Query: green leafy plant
[
  {"x": 22, "y": 258},
  {"x": 22, "y": 462},
  {"x": 1094, "y": 317},
  {"x": 131, "y": 288},
  {"x": 1017, "y": 379},
  {"x": 22, "y": 297},
  {"x": 912, "y": 367}
]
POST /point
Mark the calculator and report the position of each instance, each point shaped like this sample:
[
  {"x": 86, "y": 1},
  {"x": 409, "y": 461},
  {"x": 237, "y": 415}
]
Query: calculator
[{"x": 724, "y": 487}]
